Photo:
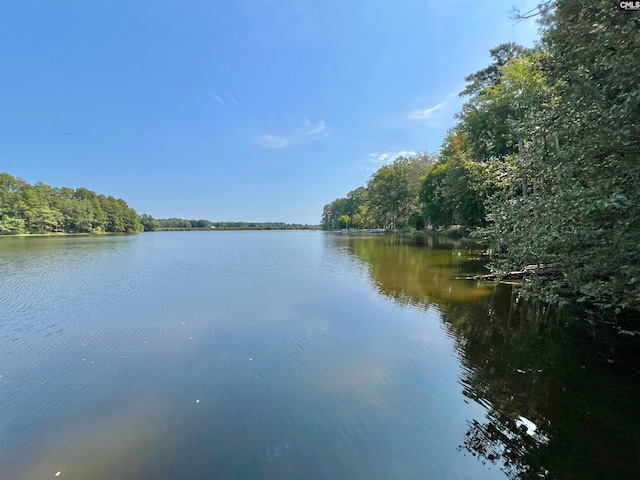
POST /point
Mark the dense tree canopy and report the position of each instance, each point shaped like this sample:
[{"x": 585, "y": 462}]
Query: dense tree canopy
[
  {"x": 577, "y": 212},
  {"x": 390, "y": 199},
  {"x": 41, "y": 208}
]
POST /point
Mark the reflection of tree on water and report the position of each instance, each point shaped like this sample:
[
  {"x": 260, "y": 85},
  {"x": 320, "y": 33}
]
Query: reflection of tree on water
[
  {"x": 574, "y": 386},
  {"x": 562, "y": 400},
  {"x": 417, "y": 270},
  {"x": 511, "y": 364}
]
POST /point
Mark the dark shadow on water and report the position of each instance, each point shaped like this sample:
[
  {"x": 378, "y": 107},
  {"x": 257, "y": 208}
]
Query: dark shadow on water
[{"x": 562, "y": 396}]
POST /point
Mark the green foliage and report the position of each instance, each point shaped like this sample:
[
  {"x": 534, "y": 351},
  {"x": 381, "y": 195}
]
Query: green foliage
[
  {"x": 41, "y": 208},
  {"x": 183, "y": 224},
  {"x": 344, "y": 221},
  {"x": 485, "y": 117},
  {"x": 363, "y": 218},
  {"x": 579, "y": 121},
  {"x": 389, "y": 200},
  {"x": 393, "y": 191},
  {"x": 448, "y": 196},
  {"x": 263, "y": 226},
  {"x": 11, "y": 226},
  {"x": 437, "y": 209},
  {"x": 149, "y": 224},
  {"x": 478, "y": 82},
  {"x": 174, "y": 223}
]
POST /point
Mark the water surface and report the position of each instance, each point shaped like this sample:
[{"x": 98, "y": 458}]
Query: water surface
[{"x": 289, "y": 355}]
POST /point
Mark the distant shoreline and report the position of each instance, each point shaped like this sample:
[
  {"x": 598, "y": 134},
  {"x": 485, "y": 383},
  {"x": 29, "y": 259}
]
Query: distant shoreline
[
  {"x": 99, "y": 234},
  {"x": 232, "y": 228},
  {"x": 64, "y": 234}
]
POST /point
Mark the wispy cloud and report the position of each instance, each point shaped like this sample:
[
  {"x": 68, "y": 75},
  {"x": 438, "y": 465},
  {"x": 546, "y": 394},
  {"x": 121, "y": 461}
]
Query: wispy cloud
[
  {"x": 274, "y": 141},
  {"x": 389, "y": 157},
  {"x": 224, "y": 98},
  {"x": 231, "y": 98},
  {"x": 319, "y": 131},
  {"x": 308, "y": 131},
  {"x": 427, "y": 113}
]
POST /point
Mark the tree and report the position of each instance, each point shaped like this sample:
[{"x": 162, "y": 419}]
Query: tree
[
  {"x": 484, "y": 119},
  {"x": 41, "y": 208},
  {"x": 362, "y": 218},
  {"x": 453, "y": 190},
  {"x": 437, "y": 208},
  {"x": 11, "y": 226},
  {"x": 343, "y": 221},
  {"x": 149, "y": 224},
  {"x": 355, "y": 199},
  {"x": 478, "y": 82},
  {"x": 393, "y": 191},
  {"x": 584, "y": 218},
  {"x": 332, "y": 212}
]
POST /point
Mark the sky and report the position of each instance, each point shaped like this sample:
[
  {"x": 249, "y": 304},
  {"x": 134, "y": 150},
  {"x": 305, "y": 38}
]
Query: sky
[{"x": 235, "y": 110}]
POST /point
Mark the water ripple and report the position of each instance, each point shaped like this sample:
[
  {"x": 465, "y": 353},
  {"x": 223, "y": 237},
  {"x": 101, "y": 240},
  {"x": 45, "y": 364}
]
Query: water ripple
[{"x": 228, "y": 354}]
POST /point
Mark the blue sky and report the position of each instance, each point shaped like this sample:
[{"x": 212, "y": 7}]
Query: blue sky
[{"x": 246, "y": 110}]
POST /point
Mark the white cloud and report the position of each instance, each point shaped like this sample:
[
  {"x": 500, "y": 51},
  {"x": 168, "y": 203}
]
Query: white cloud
[
  {"x": 273, "y": 141},
  {"x": 427, "y": 113},
  {"x": 318, "y": 131},
  {"x": 389, "y": 157},
  {"x": 308, "y": 131},
  {"x": 218, "y": 99}
]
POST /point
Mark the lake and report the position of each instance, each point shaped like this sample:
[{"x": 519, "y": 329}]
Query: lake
[{"x": 297, "y": 355}]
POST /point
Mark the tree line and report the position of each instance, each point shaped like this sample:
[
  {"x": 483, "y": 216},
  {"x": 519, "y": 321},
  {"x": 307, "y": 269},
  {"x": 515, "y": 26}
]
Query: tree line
[
  {"x": 152, "y": 224},
  {"x": 543, "y": 163},
  {"x": 40, "y": 208}
]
